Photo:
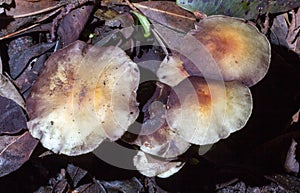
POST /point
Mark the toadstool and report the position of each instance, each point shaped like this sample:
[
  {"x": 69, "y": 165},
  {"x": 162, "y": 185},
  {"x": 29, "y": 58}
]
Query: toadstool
[
  {"x": 84, "y": 95},
  {"x": 205, "y": 111}
]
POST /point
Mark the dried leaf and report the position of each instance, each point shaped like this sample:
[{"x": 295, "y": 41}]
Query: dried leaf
[
  {"x": 12, "y": 117},
  {"x": 25, "y": 7},
  {"x": 75, "y": 173},
  {"x": 167, "y": 13},
  {"x": 288, "y": 182},
  {"x": 244, "y": 9},
  {"x": 15, "y": 151},
  {"x": 8, "y": 90},
  {"x": 295, "y": 117},
  {"x": 72, "y": 25}
]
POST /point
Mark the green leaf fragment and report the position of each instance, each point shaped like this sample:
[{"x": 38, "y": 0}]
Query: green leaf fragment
[{"x": 144, "y": 22}]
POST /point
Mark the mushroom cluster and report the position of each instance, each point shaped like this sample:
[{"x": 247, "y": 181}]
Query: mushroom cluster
[{"x": 209, "y": 97}]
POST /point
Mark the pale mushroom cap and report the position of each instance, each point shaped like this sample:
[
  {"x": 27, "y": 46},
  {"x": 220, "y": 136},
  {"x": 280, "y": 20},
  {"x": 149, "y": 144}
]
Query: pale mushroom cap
[
  {"x": 203, "y": 112},
  {"x": 150, "y": 166},
  {"x": 69, "y": 105},
  {"x": 240, "y": 50}
]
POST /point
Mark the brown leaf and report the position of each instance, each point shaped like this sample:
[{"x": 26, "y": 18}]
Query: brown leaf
[
  {"x": 167, "y": 13},
  {"x": 72, "y": 24},
  {"x": 15, "y": 151},
  {"x": 24, "y": 7},
  {"x": 12, "y": 117}
]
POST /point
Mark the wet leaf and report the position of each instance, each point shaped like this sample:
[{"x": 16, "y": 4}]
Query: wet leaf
[
  {"x": 12, "y": 117},
  {"x": 167, "y": 13},
  {"x": 8, "y": 90},
  {"x": 244, "y": 9},
  {"x": 15, "y": 151}
]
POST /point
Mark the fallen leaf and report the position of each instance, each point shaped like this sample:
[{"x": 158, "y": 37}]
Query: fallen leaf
[
  {"x": 126, "y": 186},
  {"x": 75, "y": 173},
  {"x": 8, "y": 90},
  {"x": 12, "y": 117},
  {"x": 237, "y": 8},
  {"x": 295, "y": 117},
  {"x": 15, "y": 151},
  {"x": 168, "y": 14},
  {"x": 22, "y": 7},
  {"x": 20, "y": 60},
  {"x": 72, "y": 24}
]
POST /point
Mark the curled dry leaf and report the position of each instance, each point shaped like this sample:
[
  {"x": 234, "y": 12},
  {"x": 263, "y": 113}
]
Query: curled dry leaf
[
  {"x": 205, "y": 111},
  {"x": 8, "y": 90},
  {"x": 150, "y": 166},
  {"x": 15, "y": 151},
  {"x": 84, "y": 95}
]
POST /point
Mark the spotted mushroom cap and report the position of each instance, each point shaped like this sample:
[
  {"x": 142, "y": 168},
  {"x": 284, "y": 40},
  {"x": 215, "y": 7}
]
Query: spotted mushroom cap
[{"x": 84, "y": 95}]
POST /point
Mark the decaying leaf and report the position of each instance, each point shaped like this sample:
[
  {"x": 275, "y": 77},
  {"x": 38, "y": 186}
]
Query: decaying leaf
[
  {"x": 168, "y": 14},
  {"x": 14, "y": 151},
  {"x": 12, "y": 117},
  {"x": 126, "y": 186},
  {"x": 85, "y": 94},
  {"x": 244, "y": 9},
  {"x": 8, "y": 90},
  {"x": 76, "y": 174}
]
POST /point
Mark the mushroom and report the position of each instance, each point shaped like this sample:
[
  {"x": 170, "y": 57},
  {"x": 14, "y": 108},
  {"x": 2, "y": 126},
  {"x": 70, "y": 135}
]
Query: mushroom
[
  {"x": 221, "y": 47},
  {"x": 239, "y": 49},
  {"x": 205, "y": 111},
  {"x": 155, "y": 137},
  {"x": 84, "y": 95},
  {"x": 151, "y": 166}
]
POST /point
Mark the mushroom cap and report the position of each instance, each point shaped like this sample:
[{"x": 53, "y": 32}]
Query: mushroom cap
[
  {"x": 205, "y": 111},
  {"x": 150, "y": 166},
  {"x": 240, "y": 50},
  {"x": 83, "y": 95},
  {"x": 155, "y": 137}
]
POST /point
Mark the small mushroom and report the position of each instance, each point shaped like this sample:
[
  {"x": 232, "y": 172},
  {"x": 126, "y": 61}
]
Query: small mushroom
[
  {"x": 155, "y": 137},
  {"x": 84, "y": 95},
  {"x": 151, "y": 166},
  {"x": 205, "y": 111},
  {"x": 239, "y": 49}
]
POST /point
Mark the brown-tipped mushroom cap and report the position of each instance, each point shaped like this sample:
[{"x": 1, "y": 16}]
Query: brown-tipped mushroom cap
[
  {"x": 151, "y": 166},
  {"x": 84, "y": 95},
  {"x": 240, "y": 50},
  {"x": 203, "y": 112}
]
